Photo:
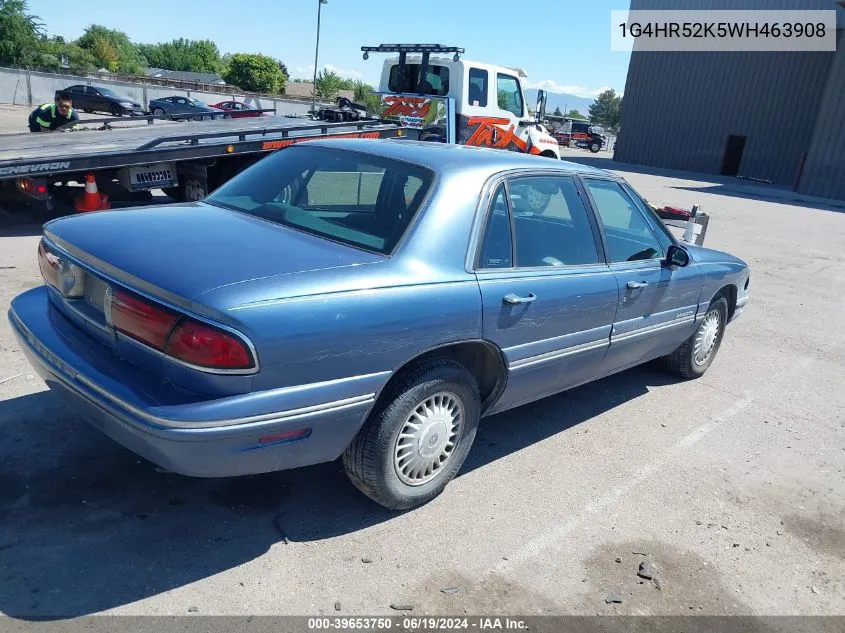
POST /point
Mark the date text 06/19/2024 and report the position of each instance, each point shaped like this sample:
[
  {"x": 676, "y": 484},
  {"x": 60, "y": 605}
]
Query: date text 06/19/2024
[{"x": 416, "y": 624}]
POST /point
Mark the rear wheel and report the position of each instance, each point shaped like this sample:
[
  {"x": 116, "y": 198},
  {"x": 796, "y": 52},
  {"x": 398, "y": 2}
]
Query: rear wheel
[
  {"x": 158, "y": 112},
  {"x": 697, "y": 353},
  {"x": 416, "y": 441}
]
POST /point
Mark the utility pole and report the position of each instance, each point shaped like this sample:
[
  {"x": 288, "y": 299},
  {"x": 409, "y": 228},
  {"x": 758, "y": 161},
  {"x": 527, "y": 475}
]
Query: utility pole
[{"x": 320, "y": 4}]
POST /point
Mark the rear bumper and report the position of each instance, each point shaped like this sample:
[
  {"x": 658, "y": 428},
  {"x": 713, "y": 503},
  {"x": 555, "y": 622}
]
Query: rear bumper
[{"x": 205, "y": 448}]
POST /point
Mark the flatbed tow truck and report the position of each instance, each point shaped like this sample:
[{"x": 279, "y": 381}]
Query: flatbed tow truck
[{"x": 186, "y": 160}]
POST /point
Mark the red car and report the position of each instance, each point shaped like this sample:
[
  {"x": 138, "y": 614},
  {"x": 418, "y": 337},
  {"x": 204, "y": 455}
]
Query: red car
[{"x": 237, "y": 110}]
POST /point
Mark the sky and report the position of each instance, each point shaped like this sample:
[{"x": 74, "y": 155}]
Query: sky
[{"x": 563, "y": 45}]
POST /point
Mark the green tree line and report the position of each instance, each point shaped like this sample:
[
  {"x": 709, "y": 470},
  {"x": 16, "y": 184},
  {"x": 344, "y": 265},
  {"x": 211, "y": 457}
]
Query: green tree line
[{"x": 25, "y": 44}]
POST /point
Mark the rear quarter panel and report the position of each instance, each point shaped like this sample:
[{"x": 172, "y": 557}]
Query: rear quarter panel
[{"x": 351, "y": 330}]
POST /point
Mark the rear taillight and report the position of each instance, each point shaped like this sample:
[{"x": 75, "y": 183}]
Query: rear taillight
[
  {"x": 177, "y": 336},
  {"x": 49, "y": 265},
  {"x": 141, "y": 320},
  {"x": 205, "y": 346}
]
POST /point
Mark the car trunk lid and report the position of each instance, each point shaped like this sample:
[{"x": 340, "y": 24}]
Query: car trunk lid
[{"x": 182, "y": 251}]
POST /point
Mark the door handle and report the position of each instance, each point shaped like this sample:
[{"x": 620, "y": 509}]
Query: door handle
[
  {"x": 635, "y": 285},
  {"x": 515, "y": 299}
]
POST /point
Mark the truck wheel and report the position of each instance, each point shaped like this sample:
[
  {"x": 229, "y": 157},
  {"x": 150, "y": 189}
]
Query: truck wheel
[
  {"x": 416, "y": 441},
  {"x": 696, "y": 354},
  {"x": 594, "y": 147}
]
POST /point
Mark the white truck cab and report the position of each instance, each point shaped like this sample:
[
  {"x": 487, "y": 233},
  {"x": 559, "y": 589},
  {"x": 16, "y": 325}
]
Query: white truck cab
[{"x": 490, "y": 108}]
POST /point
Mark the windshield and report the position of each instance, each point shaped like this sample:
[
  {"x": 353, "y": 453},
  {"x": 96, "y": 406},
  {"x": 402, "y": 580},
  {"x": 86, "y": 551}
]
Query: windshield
[
  {"x": 109, "y": 93},
  {"x": 197, "y": 103},
  {"x": 354, "y": 198}
]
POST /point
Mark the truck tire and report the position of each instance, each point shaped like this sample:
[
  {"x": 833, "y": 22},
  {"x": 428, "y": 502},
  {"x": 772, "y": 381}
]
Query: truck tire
[
  {"x": 595, "y": 147},
  {"x": 416, "y": 440},
  {"x": 695, "y": 355}
]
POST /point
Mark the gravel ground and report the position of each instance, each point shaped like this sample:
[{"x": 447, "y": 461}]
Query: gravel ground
[{"x": 731, "y": 487}]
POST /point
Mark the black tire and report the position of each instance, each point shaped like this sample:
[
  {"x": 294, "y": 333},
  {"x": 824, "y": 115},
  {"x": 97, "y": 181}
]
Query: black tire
[
  {"x": 682, "y": 361},
  {"x": 86, "y": 111},
  {"x": 369, "y": 460},
  {"x": 595, "y": 147},
  {"x": 116, "y": 110},
  {"x": 158, "y": 112}
]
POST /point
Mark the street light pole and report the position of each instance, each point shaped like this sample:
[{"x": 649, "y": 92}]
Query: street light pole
[{"x": 320, "y": 4}]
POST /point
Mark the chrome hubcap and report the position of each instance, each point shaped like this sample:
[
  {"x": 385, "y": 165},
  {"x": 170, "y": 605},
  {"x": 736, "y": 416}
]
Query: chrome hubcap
[
  {"x": 706, "y": 338},
  {"x": 427, "y": 439}
]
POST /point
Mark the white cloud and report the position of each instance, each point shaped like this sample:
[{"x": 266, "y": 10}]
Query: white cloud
[
  {"x": 307, "y": 72},
  {"x": 579, "y": 91}
]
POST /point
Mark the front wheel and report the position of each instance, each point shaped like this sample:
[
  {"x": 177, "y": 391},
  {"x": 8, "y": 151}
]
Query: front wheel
[
  {"x": 595, "y": 147},
  {"x": 414, "y": 443},
  {"x": 697, "y": 353}
]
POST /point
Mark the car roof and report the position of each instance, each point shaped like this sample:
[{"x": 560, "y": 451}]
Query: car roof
[{"x": 446, "y": 157}]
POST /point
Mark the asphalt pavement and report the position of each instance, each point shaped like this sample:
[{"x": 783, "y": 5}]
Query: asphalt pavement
[{"x": 731, "y": 487}]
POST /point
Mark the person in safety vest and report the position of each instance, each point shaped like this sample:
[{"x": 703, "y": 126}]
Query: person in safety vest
[{"x": 53, "y": 115}]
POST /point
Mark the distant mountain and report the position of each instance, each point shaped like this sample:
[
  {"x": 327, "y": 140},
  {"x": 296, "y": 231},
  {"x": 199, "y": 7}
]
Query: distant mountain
[{"x": 560, "y": 100}]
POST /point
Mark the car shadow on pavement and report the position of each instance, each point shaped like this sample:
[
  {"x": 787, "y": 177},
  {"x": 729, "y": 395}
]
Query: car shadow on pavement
[
  {"x": 718, "y": 185},
  {"x": 86, "y": 526}
]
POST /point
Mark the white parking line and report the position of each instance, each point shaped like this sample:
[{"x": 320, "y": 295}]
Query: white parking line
[{"x": 538, "y": 545}]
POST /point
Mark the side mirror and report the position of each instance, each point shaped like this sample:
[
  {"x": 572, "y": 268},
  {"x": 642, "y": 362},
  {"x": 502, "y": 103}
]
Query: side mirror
[
  {"x": 677, "y": 256},
  {"x": 540, "y": 110}
]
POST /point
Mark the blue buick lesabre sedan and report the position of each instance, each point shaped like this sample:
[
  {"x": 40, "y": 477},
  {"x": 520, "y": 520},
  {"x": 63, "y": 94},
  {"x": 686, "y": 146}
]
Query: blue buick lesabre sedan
[{"x": 365, "y": 299}]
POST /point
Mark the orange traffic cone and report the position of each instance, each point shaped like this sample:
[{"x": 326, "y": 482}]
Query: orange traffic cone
[{"x": 92, "y": 199}]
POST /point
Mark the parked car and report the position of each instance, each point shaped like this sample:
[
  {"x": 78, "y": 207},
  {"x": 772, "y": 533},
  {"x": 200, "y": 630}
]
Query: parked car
[
  {"x": 174, "y": 106},
  {"x": 97, "y": 99},
  {"x": 366, "y": 299},
  {"x": 237, "y": 110}
]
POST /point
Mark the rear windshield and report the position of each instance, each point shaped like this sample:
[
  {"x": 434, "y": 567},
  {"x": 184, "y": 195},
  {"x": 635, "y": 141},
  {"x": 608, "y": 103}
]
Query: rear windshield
[
  {"x": 436, "y": 80},
  {"x": 350, "y": 197}
]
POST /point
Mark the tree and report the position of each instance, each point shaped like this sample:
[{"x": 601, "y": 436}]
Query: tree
[
  {"x": 21, "y": 34},
  {"x": 329, "y": 83},
  {"x": 557, "y": 111},
  {"x": 198, "y": 56},
  {"x": 364, "y": 95},
  {"x": 283, "y": 67},
  {"x": 606, "y": 109},
  {"x": 112, "y": 50},
  {"x": 79, "y": 59},
  {"x": 255, "y": 72},
  {"x": 574, "y": 114}
]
